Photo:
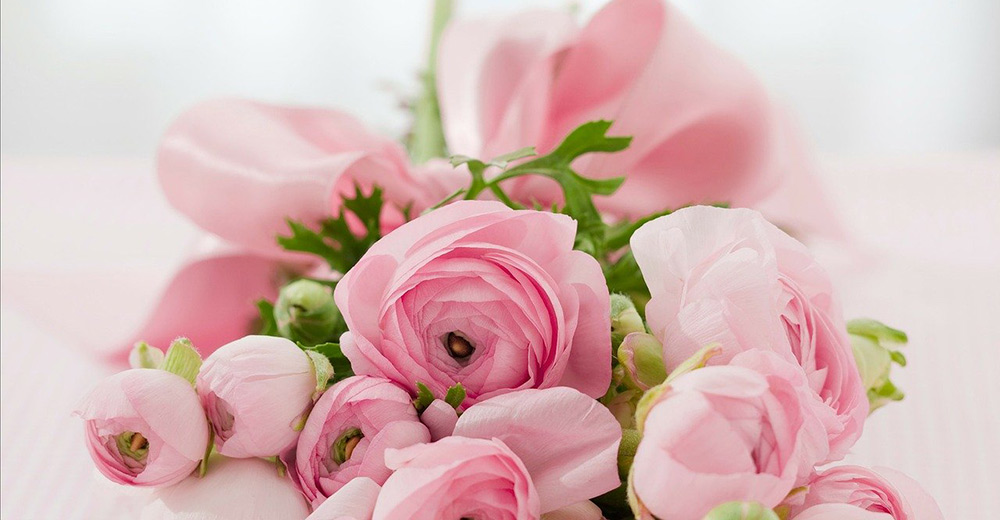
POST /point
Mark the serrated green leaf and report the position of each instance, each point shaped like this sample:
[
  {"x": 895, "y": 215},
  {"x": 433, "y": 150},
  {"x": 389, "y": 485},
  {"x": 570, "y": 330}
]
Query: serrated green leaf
[
  {"x": 455, "y": 396},
  {"x": 502, "y": 160},
  {"x": 424, "y": 397},
  {"x": 335, "y": 241}
]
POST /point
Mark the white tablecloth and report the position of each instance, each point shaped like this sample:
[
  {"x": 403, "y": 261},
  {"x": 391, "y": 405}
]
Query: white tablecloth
[{"x": 87, "y": 243}]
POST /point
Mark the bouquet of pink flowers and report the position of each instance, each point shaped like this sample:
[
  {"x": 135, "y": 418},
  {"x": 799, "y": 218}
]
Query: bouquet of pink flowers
[{"x": 556, "y": 323}]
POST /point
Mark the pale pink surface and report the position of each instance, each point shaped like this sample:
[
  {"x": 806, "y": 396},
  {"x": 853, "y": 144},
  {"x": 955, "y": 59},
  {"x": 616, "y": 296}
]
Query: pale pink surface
[
  {"x": 727, "y": 433},
  {"x": 878, "y": 490},
  {"x": 440, "y": 419},
  {"x": 232, "y": 489},
  {"x": 354, "y": 501},
  {"x": 457, "y": 477},
  {"x": 239, "y": 168},
  {"x": 535, "y": 310},
  {"x": 703, "y": 127},
  {"x": 380, "y": 409},
  {"x": 157, "y": 404},
  {"x": 585, "y": 510},
  {"x": 839, "y": 512},
  {"x": 255, "y": 391},
  {"x": 567, "y": 441},
  {"x": 728, "y": 276}
]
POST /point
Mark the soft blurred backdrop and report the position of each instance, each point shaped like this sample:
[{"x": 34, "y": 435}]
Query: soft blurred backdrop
[{"x": 900, "y": 98}]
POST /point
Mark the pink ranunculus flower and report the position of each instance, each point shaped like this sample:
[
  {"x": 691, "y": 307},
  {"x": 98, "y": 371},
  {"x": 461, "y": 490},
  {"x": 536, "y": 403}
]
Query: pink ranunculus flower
[
  {"x": 882, "y": 493},
  {"x": 347, "y": 433},
  {"x": 522, "y": 455},
  {"x": 704, "y": 129},
  {"x": 256, "y": 391},
  {"x": 745, "y": 432},
  {"x": 479, "y": 294},
  {"x": 145, "y": 427},
  {"x": 727, "y": 276},
  {"x": 232, "y": 488}
]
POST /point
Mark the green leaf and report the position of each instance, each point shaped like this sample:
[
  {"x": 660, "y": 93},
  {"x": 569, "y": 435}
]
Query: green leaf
[
  {"x": 455, "y": 396},
  {"x": 623, "y": 276},
  {"x": 334, "y": 241},
  {"x": 424, "y": 397},
  {"x": 618, "y": 235},
  {"x": 341, "y": 365},
  {"x": 266, "y": 324},
  {"x": 502, "y": 160}
]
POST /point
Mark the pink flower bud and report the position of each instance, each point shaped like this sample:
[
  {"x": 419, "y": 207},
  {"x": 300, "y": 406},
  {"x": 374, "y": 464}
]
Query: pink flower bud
[
  {"x": 144, "y": 427},
  {"x": 256, "y": 391},
  {"x": 347, "y": 433}
]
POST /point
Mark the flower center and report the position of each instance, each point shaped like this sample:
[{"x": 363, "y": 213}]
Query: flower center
[
  {"x": 459, "y": 347},
  {"x": 343, "y": 447},
  {"x": 132, "y": 445}
]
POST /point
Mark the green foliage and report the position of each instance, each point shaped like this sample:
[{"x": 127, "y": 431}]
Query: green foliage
[
  {"x": 266, "y": 326},
  {"x": 334, "y": 241},
  {"x": 455, "y": 395},
  {"x": 874, "y": 346},
  {"x": 341, "y": 366},
  {"x": 424, "y": 397}
]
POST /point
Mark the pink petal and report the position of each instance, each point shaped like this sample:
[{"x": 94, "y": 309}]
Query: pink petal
[
  {"x": 354, "y": 501},
  {"x": 585, "y": 510},
  {"x": 440, "y": 419},
  {"x": 239, "y": 168},
  {"x": 210, "y": 301},
  {"x": 567, "y": 441}
]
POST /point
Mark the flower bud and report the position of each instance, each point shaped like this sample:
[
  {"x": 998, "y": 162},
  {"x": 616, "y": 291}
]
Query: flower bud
[
  {"x": 145, "y": 427},
  {"x": 741, "y": 511},
  {"x": 144, "y": 355},
  {"x": 642, "y": 357},
  {"x": 625, "y": 318},
  {"x": 305, "y": 312},
  {"x": 257, "y": 391},
  {"x": 870, "y": 341}
]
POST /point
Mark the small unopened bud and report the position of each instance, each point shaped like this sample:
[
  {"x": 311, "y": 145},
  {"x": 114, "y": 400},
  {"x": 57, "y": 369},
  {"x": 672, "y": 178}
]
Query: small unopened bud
[
  {"x": 144, "y": 355},
  {"x": 642, "y": 357},
  {"x": 625, "y": 318},
  {"x": 871, "y": 342},
  {"x": 305, "y": 312}
]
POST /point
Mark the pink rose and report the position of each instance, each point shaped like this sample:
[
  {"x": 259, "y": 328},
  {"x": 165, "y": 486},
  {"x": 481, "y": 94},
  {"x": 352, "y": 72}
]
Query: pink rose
[
  {"x": 145, "y": 427},
  {"x": 256, "y": 391},
  {"x": 746, "y": 432},
  {"x": 479, "y": 294},
  {"x": 232, "y": 488},
  {"x": 520, "y": 455},
  {"x": 704, "y": 129},
  {"x": 881, "y": 492},
  {"x": 727, "y": 276},
  {"x": 347, "y": 433}
]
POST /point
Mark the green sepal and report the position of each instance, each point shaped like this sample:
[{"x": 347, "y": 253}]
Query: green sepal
[
  {"x": 741, "y": 511},
  {"x": 266, "y": 326},
  {"x": 339, "y": 363},
  {"x": 455, "y": 396},
  {"x": 322, "y": 370},
  {"x": 424, "y": 397},
  {"x": 182, "y": 359},
  {"x": 144, "y": 355}
]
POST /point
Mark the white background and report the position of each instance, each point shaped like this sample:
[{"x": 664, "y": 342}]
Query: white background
[{"x": 901, "y": 99}]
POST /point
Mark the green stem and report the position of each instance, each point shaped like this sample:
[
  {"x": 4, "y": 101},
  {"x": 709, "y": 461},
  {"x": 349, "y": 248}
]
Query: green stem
[{"x": 427, "y": 140}]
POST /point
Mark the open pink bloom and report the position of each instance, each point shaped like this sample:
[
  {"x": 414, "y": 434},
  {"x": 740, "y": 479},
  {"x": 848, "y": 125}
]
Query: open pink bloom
[
  {"x": 881, "y": 492},
  {"x": 479, "y": 294},
  {"x": 232, "y": 488},
  {"x": 144, "y": 427},
  {"x": 239, "y": 168},
  {"x": 704, "y": 129},
  {"x": 520, "y": 455},
  {"x": 746, "y": 432},
  {"x": 727, "y": 276},
  {"x": 347, "y": 433},
  {"x": 256, "y": 392}
]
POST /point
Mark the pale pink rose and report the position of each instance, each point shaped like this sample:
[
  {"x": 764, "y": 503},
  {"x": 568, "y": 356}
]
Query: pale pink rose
[
  {"x": 704, "y": 129},
  {"x": 440, "y": 419},
  {"x": 232, "y": 489},
  {"x": 746, "y": 432},
  {"x": 874, "y": 490},
  {"x": 727, "y": 276},
  {"x": 239, "y": 168},
  {"x": 347, "y": 433},
  {"x": 256, "y": 391},
  {"x": 479, "y": 294},
  {"x": 145, "y": 427},
  {"x": 519, "y": 455},
  {"x": 354, "y": 501}
]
